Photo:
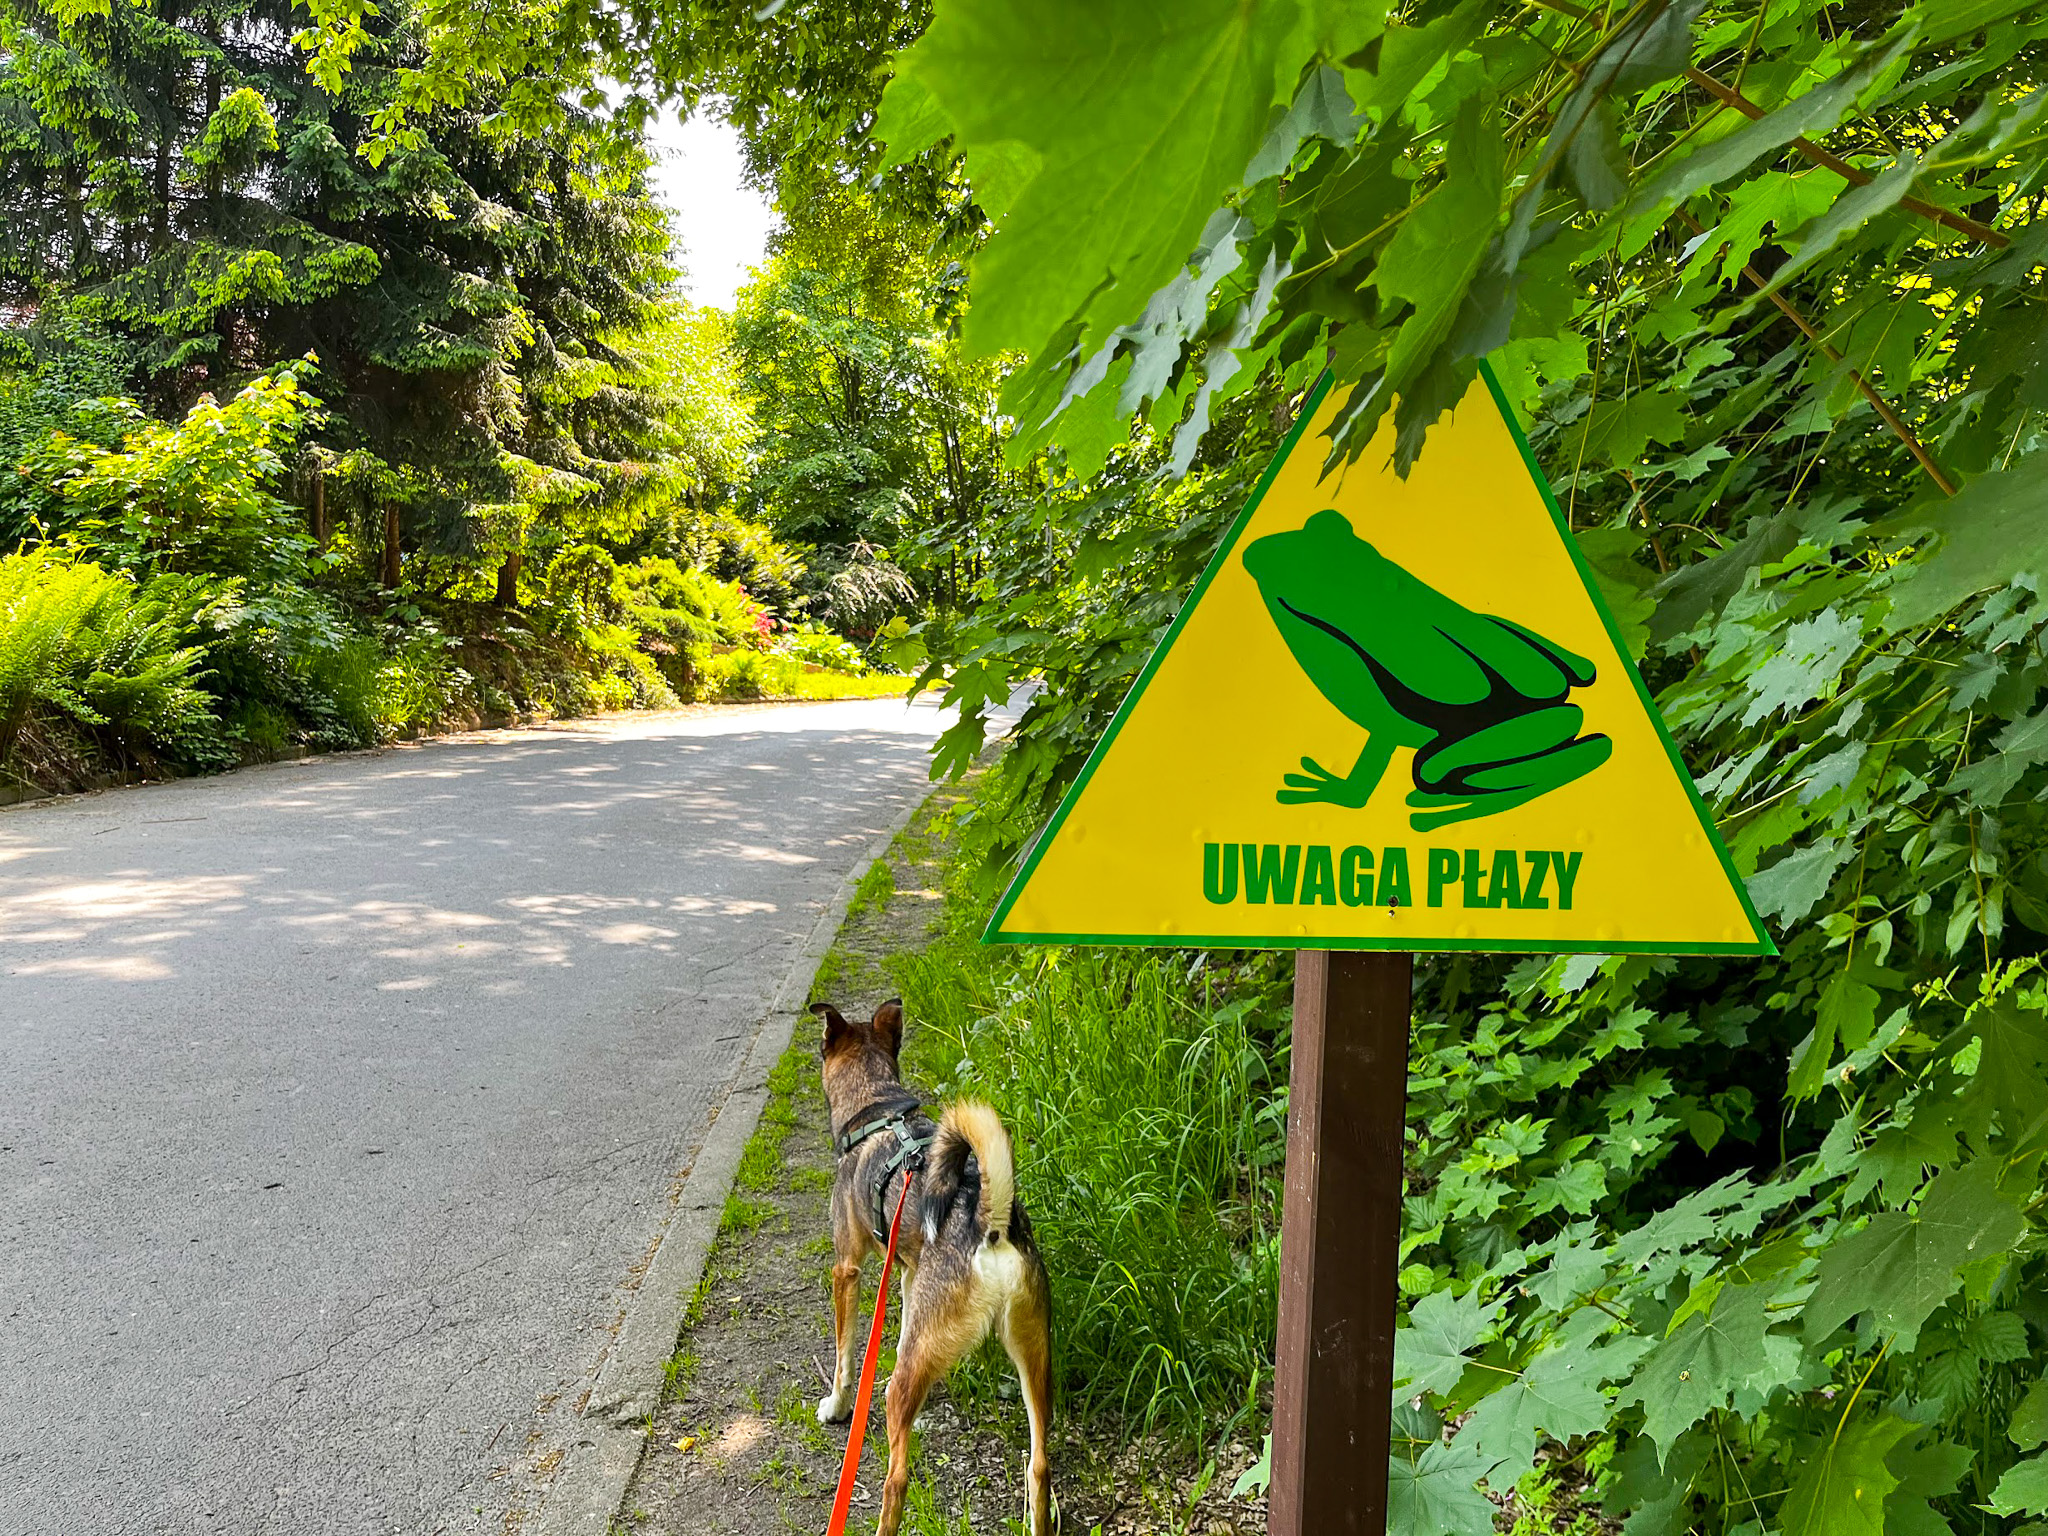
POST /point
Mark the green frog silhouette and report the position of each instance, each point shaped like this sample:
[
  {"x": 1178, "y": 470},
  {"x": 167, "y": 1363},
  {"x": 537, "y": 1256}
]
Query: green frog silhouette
[{"x": 1481, "y": 699}]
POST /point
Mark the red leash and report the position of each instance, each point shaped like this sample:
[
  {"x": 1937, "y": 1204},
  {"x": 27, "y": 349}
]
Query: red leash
[{"x": 857, "y": 1431}]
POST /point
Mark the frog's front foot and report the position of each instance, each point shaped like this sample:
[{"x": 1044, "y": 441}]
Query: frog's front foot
[{"x": 1316, "y": 784}]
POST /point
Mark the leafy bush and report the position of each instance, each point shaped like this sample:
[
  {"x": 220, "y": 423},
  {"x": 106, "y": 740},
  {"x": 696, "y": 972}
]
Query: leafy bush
[
  {"x": 742, "y": 554},
  {"x": 337, "y": 692},
  {"x": 62, "y": 380},
  {"x": 417, "y": 685},
  {"x": 684, "y": 605},
  {"x": 737, "y": 676},
  {"x": 194, "y": 497},
  {"x": 92, "y": 646},
  {"x": 290, "y": 653},
  {"x": 866, "y": 590},
  {"x": 821, "y": 648}
]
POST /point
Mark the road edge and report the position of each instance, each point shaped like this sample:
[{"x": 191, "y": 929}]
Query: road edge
[{"x": 587, "y": 1491}]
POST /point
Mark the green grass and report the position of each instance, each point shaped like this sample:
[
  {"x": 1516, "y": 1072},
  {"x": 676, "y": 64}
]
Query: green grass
[
  {"x": 782, "y": 1474},
  {"x": 923, "y": 1517},
  {"x": 743, "y": 1215},
  {"x": 1147, "y": 1102},
  {"x": 761, "y": 1161},
  {"x": 678, "y": 1371},
  {"x": 877, "y": 888},
  {"x": 740, "y": 676},
  {"x": 837, "y": 685},
  {"x": 831, "y": 971},
  {"x": 795, "y": 1411}
]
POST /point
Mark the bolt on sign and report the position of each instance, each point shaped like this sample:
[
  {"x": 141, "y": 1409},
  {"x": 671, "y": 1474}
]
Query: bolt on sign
[{"x": 1394, "y": 714}]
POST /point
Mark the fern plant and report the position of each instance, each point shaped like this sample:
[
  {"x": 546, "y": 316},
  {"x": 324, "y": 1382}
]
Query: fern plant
[{"x": 91, "y": 645}]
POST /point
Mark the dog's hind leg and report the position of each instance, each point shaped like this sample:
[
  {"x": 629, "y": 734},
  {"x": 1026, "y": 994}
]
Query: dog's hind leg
[
  {"x": 838, "y": 1403},
  {"x": 918, "y": 1365},
  {"x": 1026, "y": 1326}
]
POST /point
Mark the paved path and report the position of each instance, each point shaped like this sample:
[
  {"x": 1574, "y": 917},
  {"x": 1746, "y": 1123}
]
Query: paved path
[{"x": 338, "y": 1100}]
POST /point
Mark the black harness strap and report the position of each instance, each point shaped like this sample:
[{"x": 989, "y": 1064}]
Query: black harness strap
[
  {"x": 884, "y": 1114},
  {"x": 909, "y": 1153}
]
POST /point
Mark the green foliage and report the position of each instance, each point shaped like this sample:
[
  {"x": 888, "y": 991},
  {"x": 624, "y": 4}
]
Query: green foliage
[
  {"x": 65, "y": 378},
  {"x": 88, "y": 645},
  {"x": 816, "y": 647},
  {"x": 415, "y": 686},
  {"x": 875, "y": 891},
  {"x": 194, "y": 497},
  {"x": 739, "y": 676},
  {"x": 875, "y": 433},
  {"x": 240, "y": 131}
]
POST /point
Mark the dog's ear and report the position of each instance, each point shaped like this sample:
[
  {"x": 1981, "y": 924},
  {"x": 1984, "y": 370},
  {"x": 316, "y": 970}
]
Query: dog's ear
[
  {"x": 889, "y": 1025},
  {"x": 836, "y": 1028}
]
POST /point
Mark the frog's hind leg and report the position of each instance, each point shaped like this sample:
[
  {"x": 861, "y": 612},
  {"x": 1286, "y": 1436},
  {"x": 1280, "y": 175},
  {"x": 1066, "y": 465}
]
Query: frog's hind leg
[
  {"x": 1471, "y": 778},
  {"x": 1453, "y": 808}
]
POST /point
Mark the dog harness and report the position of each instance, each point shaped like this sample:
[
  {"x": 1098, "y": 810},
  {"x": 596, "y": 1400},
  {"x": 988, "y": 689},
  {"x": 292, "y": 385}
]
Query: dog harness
[{"x": 892, "y": 1115}]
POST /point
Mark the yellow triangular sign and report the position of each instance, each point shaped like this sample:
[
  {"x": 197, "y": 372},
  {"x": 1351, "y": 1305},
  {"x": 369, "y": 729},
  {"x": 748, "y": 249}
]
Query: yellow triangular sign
[{"x": 1392, "y": 715}]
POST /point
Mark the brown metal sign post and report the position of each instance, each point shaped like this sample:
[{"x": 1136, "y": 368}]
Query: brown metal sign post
[{"x": 1340, "y": 1238}]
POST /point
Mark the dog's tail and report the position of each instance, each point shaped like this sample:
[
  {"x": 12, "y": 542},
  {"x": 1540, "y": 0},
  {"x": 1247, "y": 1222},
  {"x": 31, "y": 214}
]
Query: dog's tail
[{"x": 968, "y": 1125}]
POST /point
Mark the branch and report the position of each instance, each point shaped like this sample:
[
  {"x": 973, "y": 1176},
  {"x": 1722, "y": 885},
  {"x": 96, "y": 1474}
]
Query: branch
[
  {"x": 1728, "y": 96},
  {"x": 1886, "y": 414}
]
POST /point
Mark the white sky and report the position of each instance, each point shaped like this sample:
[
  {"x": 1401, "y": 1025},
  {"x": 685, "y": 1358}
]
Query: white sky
[{"x": 722, "y": 223}]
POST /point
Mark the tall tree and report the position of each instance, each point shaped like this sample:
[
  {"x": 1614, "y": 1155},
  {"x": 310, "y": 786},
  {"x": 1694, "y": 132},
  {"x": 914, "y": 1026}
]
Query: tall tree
[
  {"x": 874, "y": 428},
  {"x": 465, "y": 296}
]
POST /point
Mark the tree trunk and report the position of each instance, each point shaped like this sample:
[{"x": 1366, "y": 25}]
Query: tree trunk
[
  {"x": 320, "y": 512},
  {"x": 160, "y": 210},
  {"x": 508, "y": 581},
  {"x": 394, "y": 571}
]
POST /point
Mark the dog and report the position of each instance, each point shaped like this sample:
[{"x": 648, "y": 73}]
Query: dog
[{"x": 969, "y": 1262}]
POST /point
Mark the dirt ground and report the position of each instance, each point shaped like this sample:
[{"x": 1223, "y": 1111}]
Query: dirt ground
[{"x": 736, "y": 1448}]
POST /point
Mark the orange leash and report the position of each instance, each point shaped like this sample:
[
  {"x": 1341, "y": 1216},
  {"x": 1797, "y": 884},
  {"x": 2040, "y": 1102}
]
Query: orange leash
[{"x": 857, "y": 1431}]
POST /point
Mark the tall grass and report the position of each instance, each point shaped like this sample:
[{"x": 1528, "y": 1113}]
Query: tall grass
[{"x": 1146, "y": 1096}]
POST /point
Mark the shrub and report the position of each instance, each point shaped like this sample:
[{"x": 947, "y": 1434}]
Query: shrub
[
  {"x": 416, "y": 686},
  {"x": 339, "y": 696},
  {"x": 94, "y": 647},
  {"x": 736, "y": 676},
  {"x": 821, "y": 648},
  {"x": 291, "y": 651},
  {"x": 741, "y": 554},
  {"x": 611, "y": 692},
  {"x": 194, "y": 496}
]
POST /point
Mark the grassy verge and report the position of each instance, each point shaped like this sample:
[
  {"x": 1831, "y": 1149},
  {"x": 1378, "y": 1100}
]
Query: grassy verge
[{"x": 837, "y": 685}]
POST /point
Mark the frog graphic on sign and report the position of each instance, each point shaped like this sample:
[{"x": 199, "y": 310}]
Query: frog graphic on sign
[{"x": 1481, "y": 699}]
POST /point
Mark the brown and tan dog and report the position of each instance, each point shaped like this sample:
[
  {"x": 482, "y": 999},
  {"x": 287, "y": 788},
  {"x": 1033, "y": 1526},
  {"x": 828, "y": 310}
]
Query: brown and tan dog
[{"x": 969, "y": 1264}]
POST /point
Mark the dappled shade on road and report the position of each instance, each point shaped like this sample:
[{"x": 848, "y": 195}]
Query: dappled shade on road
[{"x": 344, "y": 1098}]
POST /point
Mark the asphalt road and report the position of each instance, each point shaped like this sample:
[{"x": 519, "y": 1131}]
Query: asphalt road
[{"x": 338, "y": 1100}]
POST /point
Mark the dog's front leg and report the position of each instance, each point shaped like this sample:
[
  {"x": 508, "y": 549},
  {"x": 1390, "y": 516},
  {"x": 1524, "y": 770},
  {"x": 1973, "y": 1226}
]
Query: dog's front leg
[{"x": 838, "y": 1403}]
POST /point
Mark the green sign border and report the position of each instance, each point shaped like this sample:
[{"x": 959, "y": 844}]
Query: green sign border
[{"x": 1762, "y": 945}]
